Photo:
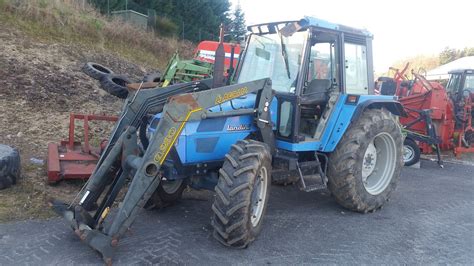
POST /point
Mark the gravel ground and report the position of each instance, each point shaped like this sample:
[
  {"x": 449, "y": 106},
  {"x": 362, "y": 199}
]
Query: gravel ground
[{"x": 428, "y": 221}]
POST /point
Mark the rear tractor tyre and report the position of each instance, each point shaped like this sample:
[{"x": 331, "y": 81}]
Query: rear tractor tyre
[
  {"x": 365, "y": 167},
  {"x": 411, "y": 152},
  {"x": 96, "y": 71},
  {"x": 9, "y": 166},
  {"x": 167, "y": 193},
  {"x": 242, "y": 193}
]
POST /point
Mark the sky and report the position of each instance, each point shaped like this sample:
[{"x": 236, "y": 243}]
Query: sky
[{"x": 401, "y": 28}]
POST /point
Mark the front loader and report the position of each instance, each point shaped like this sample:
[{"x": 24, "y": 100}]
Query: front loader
[{"x": 299, "y": 110}]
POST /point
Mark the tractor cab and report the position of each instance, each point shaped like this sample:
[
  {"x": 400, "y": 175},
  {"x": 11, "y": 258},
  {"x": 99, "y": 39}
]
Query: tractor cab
[
  {"x": 461, "y": 82},
  {"x": 311, "y": 63},
  {"x": 460, "y": 89}
]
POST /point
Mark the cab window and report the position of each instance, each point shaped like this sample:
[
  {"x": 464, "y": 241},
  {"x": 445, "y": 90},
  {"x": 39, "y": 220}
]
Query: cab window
[
  {"x": 356, "y": 69},
  {"x": 322, "y": 64},
  {"x": 469, "y": 83}
]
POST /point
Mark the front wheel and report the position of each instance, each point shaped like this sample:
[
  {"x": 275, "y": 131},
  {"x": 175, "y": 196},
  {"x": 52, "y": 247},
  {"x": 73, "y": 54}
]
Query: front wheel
[
  {"x": 242, "y": 193},
  {"x": 167, "y": 193},
  {"x": 365, "y": 167}
]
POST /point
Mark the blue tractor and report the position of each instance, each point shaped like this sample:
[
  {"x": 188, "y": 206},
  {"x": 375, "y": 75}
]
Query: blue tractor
[{"x": 298, "y": 109}]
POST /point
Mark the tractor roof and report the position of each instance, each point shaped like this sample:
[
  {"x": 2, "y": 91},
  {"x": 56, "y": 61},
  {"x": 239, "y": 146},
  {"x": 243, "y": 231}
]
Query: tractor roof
[
  {"x": 305, "y": 23},
  {"x": 461, "y": 70}
]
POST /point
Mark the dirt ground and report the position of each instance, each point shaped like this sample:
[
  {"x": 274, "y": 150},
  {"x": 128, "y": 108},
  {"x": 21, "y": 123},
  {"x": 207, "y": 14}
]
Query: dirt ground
[{"x": 40, "y": 84}]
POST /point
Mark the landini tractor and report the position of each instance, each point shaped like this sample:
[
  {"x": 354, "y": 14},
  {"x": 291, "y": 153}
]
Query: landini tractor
[{"x": 299, "y": 107}]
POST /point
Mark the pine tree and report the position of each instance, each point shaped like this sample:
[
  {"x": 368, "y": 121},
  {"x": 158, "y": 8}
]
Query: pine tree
[{"x": 238, "y": 28}]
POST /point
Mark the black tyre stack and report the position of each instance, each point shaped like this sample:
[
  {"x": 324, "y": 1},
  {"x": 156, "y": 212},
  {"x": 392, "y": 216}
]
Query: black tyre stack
[
  {"x": 115, "y": 85},
  {"x": 9, "y": 166},
  {"x": 109, "y": 81},
  {"x": 96, "y": 71}
]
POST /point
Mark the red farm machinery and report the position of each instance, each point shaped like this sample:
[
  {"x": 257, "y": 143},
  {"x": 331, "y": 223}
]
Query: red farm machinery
[{"x": 438, "y": 118}]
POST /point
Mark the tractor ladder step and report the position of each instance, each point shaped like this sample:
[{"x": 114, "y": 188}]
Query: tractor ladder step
[{"x": 311, "y": 182}]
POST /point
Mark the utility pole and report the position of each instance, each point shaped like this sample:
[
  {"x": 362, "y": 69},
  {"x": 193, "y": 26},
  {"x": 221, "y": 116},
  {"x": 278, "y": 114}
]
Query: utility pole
[
  {"x": 126, "y": 4},
  {"x": 108, "y": 8}
]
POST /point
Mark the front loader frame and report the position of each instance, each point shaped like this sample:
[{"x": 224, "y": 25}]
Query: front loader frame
[{"x": 187, "y": 102}]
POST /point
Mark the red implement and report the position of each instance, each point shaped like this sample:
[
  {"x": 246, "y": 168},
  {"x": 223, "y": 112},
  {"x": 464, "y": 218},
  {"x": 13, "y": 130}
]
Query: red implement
[
  {"x": 450, "y": 114},
  {"x": 72, "y": 159}
]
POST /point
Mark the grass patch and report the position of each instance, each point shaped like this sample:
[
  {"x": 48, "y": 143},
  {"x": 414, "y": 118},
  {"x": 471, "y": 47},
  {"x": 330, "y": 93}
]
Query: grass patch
[
  {"x": 24, "y": 201},
  {"x": 70, "y": 22}
]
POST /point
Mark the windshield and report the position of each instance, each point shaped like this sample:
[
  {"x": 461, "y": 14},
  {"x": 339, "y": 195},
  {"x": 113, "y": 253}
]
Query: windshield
[
  {"x": 453, "y": 83},
  {"x": 267, "y": 58}
]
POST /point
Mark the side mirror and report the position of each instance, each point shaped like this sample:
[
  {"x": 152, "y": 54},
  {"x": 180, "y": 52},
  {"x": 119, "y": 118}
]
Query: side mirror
[{"x": 262, "y": 53}]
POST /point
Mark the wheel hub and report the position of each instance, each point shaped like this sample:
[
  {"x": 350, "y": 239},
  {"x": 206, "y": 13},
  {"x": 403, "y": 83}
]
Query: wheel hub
[
  {"x": 171, "y": 187},
  {"x": 259, "y": 195},
  {"x": 408, "y": 153},
  {"x": 379, "y": 163},
  {"x": 370, "y": 160}
]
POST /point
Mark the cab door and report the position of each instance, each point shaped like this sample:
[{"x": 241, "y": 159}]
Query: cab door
[{"x": 358, "y": 68}]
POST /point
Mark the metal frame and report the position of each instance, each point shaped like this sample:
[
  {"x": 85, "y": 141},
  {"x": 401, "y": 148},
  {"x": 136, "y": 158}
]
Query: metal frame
[
  {"x": 63, "y": 158},
  {"x": 431, "y": 138}
]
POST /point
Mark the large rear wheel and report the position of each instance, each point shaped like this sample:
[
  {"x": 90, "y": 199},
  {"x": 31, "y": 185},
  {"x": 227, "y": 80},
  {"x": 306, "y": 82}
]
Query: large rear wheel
[
  {"x": 365, "y": 167},
  {"x": 242, "y": 193}
]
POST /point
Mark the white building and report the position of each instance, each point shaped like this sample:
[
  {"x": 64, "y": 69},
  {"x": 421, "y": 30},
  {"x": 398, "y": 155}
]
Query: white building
[{"x": 441, "y": 72}]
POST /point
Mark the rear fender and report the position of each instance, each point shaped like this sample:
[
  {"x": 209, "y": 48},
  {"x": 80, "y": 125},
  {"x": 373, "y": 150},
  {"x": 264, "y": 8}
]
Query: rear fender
[
  {"x": 349, "y": 113},
  {"x": 392, "y": 106}
]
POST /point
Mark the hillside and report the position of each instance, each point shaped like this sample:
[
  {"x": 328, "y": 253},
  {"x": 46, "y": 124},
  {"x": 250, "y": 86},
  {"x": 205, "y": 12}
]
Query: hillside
[{"x": 43, "y": 45}]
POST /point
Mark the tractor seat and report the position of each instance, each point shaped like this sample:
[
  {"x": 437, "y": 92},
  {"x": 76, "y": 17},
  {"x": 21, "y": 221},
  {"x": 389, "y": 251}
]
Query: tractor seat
[{"x": 316, "y": 92}]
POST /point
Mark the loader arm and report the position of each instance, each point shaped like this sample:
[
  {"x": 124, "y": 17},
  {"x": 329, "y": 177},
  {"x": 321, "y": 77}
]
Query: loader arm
[
  {"x": 103, "y": 236},
  {"x": 135, "y": 109}
]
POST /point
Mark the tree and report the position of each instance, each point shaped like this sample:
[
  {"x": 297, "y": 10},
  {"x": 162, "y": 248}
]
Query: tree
[
  {"x": 467, "y": 51},
  {"x": 448, "y": 55},
  {"x": 237, "y": 26},
  {"x": 192, "y": 20},
  {"x": 451, "y": 54},
  {"x": 196, "y": 20}
]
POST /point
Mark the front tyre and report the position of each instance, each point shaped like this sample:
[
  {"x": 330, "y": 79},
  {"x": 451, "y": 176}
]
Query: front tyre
[
  {"x": 365, "y": 167},
  {"x": 167, "y": 193},
  {"x": 242, "y": 193}
]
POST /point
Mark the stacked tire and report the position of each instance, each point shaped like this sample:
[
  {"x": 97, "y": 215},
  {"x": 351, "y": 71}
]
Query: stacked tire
[
  {"x": 109, "y": 81},
  {"x": 112, "y": 83},
  {"x": 152, "y": 77},
  {"x": 9, "y": 166},
  {"x": 116, "y": 85}
]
